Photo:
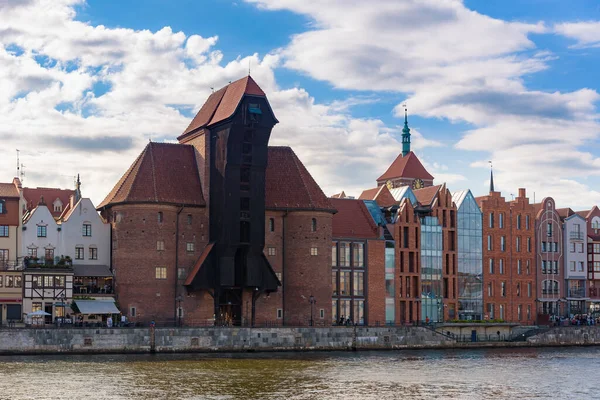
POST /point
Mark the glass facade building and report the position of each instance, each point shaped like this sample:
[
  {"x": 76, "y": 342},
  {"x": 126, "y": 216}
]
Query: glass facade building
[
  {"x": 470, "y": 257},
  {"x": 348, "y": 282},
  {"x": 431, "y": 270}
]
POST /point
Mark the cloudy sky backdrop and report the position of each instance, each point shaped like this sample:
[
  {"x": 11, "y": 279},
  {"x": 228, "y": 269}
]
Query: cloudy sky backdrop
[{"x": 85, "y": 84}]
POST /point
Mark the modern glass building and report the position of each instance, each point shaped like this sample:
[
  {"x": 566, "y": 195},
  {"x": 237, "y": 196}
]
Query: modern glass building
[
  {"x": 431, "y": 270},
  {"x": 470, "y": 256}
]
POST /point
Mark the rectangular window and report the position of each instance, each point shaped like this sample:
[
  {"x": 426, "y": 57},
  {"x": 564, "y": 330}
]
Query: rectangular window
[
  {"x": 132, "y": 311},
  {"x": 358, "y": 284},
  {"x": 549, "y": 229},
  {"x": 503, "y": 243},
  {"x": 344, "y": 260},
  {"x": 3, "y": 230},
  {"x": 344, "y": 283},
  {"x": 93, "y": 253},
  {"x": 489, "y": 243},
  {"x": 491, "y": 220},
  {"x": 3, "y": 255},
  {"x": 334, "y": 254},
  {"x": 18, "y": 281},
  {"x": 572, "y": 247},
  {"x": 79, "y": 253},
  {"x": 59, "y": 281},
  {"x": 189, "y": 219},
  {"x": 313, "y": 251},
  {"x": 322, "y": 313},
  {"x": 271, "y": 251},
  {"x": 501, "y": 312},
  {"x": 519, "y": 312},
  {"x": 9, "y": 281},
  {"x": 37, "y": 281},
  {"x": 87, "y": 230},
  {"x": 501, "y": 220},
  {"x": 357, "y": 255},
  {"x": 527, "y": 222},
  {"x": 491, "y": 266},
  {"x": 528, "y": 312},
  {"x": 334, "y": 311},
  {"x": 181, "y": 273},
  {"x": 161, "y": 273},
  {"x": 490, "y": 310},
  {"x": 159, "y": 217},
  {"x": 555, "y": 267},
  {"x": 48, "y": 281},
  {"x": 189, "y": 247},
  {"x": 519, "y": 271},
  {"x": 501, "y": 265},
  {"x": 518, "y": 243},
  {"x": 279, "y": 313},
  {"x": 41, "y": 231},
  {"x": 529, "y": 290},
  {"x": 160, "y": 245},
  {"x": 528, "y": 269},
  {"x": 32, "y": 252},
  {"x": 580, "y": 247},
  {"x": 543, "y": 247},
  {"x": 529, "y": 245},
  {"x": 519, "y": 222},
  {"x": 490, "y": 290},
  {"x": 334, "y": 285},
  {"x": 503, "y": 289},
  {"x": 359, "y": 312},
  {"x": 580, "y": 265},
  {"x": 572, "y": 266},
  {"x": 36, "y": 307},
  {"x": 555, "y": 247}
]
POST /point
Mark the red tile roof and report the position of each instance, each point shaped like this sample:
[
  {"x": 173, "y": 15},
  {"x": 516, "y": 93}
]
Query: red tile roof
[
  {"x": 9, "y": 190},
  {"x": 221, "y": 104},
  {"x": 583, "y": 213},
  {"x": 32, "y": 198},
  {"x": 339, "y": 195},
  {"x": 380, "y": 194},
  {"x": 564, "y": 212},
  {"x": 353, "y": 220},
  {"x": 408, "y": 167},
  {"x": 163, "y": 173},
  {"x": 426, "y": 195},
  {"x": 288, "y": 184},
  {"x": 198, "y": 264}
]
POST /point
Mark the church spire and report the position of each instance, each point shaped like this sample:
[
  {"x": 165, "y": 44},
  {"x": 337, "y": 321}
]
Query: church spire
[
  {"x": 491, "y": 178},
  {"x": 405, "y": 134}
]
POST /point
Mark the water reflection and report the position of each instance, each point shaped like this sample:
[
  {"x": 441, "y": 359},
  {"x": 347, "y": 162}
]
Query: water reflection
[{"x": 478, "y": 374}]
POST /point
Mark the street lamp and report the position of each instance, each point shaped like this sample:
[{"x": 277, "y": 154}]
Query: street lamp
[
  {"x": 312, "y": 301},
  {"x": 179, "y": 300}
]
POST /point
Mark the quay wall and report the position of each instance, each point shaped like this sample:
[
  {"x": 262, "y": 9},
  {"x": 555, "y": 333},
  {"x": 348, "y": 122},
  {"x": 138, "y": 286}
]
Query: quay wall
[{"x": 207, "y": 339}]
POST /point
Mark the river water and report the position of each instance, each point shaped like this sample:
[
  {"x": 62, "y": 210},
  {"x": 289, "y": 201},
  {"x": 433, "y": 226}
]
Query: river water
[{"x": 562, "y": 373}]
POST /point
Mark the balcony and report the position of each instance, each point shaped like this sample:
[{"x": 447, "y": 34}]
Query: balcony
[
  {"x": 7, "y": 265},
  {"x": 550, "y": 291},
  {"x": 574, "y": 235},
  {"x": 576, "y": 293}
]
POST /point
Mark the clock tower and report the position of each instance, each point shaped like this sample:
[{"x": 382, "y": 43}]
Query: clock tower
[{"x": 406, "y": 170}]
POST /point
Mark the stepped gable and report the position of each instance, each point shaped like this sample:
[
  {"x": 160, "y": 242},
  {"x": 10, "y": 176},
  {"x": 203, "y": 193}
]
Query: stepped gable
[
  {"x": 408, "y": 166},
  {"x": 222, "y": 104},
  {"x": 426, "y": 195},
  {"x": 353, "y": 220},
  {"x": 162, "y": 173},
  {"x": 289, "y": 185},
  {"x": 32, "y": 197}
]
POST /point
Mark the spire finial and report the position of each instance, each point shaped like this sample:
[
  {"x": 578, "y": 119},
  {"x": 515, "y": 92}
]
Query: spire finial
[
  {"x": 491, "y": 177},
  {"x": 405, "y": 133}
]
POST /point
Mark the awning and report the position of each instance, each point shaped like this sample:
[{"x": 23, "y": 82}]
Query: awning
[
  {"x": 96, "y": 307},
  {"x": 92, "y": 270}
]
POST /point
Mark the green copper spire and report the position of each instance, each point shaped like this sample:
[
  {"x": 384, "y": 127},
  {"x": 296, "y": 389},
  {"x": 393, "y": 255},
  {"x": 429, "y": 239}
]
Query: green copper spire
[{"x": 405, "y": 134}]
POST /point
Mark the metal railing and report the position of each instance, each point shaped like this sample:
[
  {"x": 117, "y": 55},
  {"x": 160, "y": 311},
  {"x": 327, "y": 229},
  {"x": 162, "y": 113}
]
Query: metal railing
[
  {"x": 11, "y": 265},
  {"x": 577, "y": 292},
  {"x": 574, "y": 235},
  {"x": 550, "y": 291}
]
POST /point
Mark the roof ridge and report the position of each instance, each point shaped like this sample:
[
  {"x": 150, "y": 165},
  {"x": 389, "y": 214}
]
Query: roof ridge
[
  {"x": 153, "y": 173},
  {"x": 368, "y": 217},
  {"x": 123, "y": 179}
]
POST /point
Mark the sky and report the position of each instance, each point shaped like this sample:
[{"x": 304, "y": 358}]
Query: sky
[{"x": 84, "y": 85}]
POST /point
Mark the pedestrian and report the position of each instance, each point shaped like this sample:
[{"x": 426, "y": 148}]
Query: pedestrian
[
  {"x": 123, "y": 320},
  {"x": 109, "y": 322},
  {"x": 152, "y": 324},
  {"x": 427, "y": 320}
]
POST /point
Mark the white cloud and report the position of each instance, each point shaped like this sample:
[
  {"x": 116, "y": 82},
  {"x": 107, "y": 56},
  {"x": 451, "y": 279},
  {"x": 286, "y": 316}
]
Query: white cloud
[{"x": 585, "y": 33}]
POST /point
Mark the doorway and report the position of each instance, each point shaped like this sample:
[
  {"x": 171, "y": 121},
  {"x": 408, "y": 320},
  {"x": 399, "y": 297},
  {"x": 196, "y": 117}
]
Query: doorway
[
  {"x": 48, "y": 309},
  {"x": 230, "y": 307}
]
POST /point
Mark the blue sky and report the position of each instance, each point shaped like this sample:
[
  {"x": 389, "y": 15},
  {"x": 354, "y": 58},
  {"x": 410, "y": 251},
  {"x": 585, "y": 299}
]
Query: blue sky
[{"x": 515, "y": 82}]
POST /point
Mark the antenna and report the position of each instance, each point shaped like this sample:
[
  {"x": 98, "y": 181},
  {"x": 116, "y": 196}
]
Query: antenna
[
  {"x": 490, "y": 162},
  {"x": 512, "y": 195},
  {"x": 212, "y": 89},
  {"x": 22, "y": 173},
  {"x": 18, "y": 164},
  {"x": 249, "y": 64}
]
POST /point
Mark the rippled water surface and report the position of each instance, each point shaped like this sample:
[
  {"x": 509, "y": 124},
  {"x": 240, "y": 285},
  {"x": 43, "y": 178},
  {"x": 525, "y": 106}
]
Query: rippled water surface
[{"x": 474, "y": 374}]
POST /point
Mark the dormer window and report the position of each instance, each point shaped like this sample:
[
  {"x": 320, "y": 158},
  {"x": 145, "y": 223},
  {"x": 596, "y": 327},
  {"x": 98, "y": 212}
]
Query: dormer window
[{"x": 58, "y": 205}]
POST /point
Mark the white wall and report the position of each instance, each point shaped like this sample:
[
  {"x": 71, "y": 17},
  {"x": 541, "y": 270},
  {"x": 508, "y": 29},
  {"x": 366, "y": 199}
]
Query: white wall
[
  {"x": 72, "y": 234},
  {"x": 577, "y": 256},
  {"x": 41, "y": 216}
]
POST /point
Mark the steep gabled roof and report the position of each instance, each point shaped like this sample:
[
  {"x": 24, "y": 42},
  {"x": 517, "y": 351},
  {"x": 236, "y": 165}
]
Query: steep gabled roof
[
  {"x": 163, "y": 173},
  {"x": 290, "y": 185},
  {"x": 380, "y": 194},
  {"x": 426, "y": 195},
  {"x": 409, "y": 166},
  {"x": 564, "y": 212},
  {"x": 353, "y": 220},
  {"x": 221, "y": 104},
  {"x": 32, "y": 197},
  {"x": 583, "y": 213},
  {"x": 341, "y": 195}
]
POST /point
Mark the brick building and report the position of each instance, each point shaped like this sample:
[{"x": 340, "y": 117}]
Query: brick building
[
  {"x": 509, "y": 273},
  {"x": 220, "y": 228},
  {"x": 592, "y": 218}
]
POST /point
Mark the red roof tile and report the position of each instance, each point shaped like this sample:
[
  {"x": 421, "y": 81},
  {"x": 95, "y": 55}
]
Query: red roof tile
[
  {"x": 380, "y": 194},
  {"x": 583, "y": 213},
  {"x": 564, "y": 212},
  {"x": 426, "y": 195},
  {"x": 163, "y": 173},
  {"x": 221, "y": 104},
  {"x": 288, "y": 184},
  {"x": 339, "y": 195},
  {"x": 32, "y": 198},
  {"x": 8, "y": 190},
  {"x": 409, "y": 167},
  {"x": 353, "y": 220},
  {"x": 198, "y": 264}
]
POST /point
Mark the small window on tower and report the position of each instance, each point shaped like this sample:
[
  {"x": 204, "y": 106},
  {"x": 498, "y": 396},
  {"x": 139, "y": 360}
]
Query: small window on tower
[
  {"x": 313, "y": 226},
  {"x": 271, "y": 224},
  {"x": 160, "y": 217}
]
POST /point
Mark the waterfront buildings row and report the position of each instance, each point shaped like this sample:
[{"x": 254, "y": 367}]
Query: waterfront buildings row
[{"x": 222, "y": 228}]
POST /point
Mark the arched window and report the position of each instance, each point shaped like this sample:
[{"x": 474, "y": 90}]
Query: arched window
[
  {"x": 271, "y": 224},
  {"x": 313, "y": 226}
]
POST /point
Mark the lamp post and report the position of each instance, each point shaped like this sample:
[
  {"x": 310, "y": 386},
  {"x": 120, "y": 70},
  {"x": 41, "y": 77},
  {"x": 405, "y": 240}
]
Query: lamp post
[
  {"x": 179, "y": 300},
  {"x": 312, "y": 301}
]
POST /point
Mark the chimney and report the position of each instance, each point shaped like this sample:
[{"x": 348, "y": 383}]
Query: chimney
[
  {"x": 72, "y": 201},
  {"x": 17, "y": 183},
  {"x": 522, "y": 193}
]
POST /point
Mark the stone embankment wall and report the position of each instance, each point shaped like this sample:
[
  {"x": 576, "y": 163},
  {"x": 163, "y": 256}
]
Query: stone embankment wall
[
  {"x": 166, "y": 340},
  {"x": 162, "y": 340},
  {"x": 567, "y": 336}
]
